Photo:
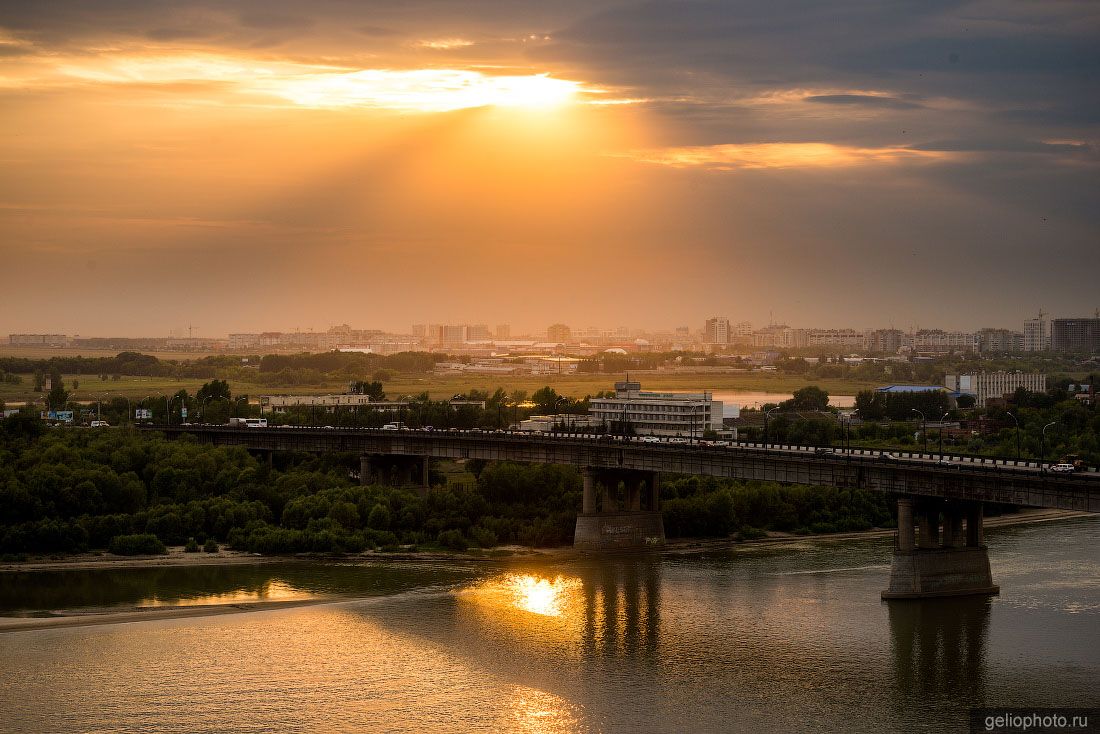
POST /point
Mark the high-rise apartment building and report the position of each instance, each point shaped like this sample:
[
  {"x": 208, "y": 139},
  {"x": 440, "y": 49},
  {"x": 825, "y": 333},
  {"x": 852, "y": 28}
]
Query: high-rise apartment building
[
  {"x": 887, "y": 341},
  {"x": 504, "y": 331},
  {"x": 454, "y": 334},
  {"x": 1000, "y": 341},
  {"x": 1075, "y": 335},
  {"x": 558, "y": 333},
  {"x": 478, "y": 333},
  {"x": 717, "y": 330},
  {"x": 1036, "y": 335}
]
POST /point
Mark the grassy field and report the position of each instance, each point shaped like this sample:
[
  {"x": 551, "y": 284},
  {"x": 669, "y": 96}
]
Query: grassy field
[{"x": 439, "y": 387}]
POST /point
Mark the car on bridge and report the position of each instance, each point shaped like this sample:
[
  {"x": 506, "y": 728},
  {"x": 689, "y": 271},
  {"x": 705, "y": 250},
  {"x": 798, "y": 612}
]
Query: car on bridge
[{"x": 1063, "y": 468}]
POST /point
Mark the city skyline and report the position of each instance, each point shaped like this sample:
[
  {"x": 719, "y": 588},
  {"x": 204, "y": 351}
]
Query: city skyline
[{"x": 572, "y": 162}]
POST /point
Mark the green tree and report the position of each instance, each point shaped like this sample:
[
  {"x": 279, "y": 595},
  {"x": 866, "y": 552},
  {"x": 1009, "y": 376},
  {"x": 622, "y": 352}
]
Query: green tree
[
  {"x": 58, "y": 395},
  {"x": 810, "y": 397},
  {"x": 214, "y": 390},
  {"x": 546, "y": 400}
]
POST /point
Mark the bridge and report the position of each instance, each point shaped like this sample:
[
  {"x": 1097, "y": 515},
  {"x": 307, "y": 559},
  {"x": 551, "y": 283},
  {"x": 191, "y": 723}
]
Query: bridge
[{"x": 939, "y": 549}]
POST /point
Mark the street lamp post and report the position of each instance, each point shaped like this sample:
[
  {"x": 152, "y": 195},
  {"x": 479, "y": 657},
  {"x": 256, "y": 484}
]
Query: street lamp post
[
  {"x": 1043, "y": 444},
  {"x": 1010, "y": 415},
  {"x": 767, "y": 415},
  {"x": 924, "y": 427},
  {"x": 408, "y": 410},
  {"x": 944, "y": 416},
  {"x": 848, "y": 432},
  {"x": 694, "y": 412},
  {"x": 202, "y": 407}
]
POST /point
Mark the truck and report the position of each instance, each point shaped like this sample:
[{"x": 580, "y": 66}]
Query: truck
[{"x": 248, "y": 422}]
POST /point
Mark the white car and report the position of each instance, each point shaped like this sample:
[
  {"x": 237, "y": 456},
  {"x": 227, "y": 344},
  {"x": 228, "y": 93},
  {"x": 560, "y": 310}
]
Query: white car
[
  {"x": 1063, "y": 468},
  {"x": 100, "y": 424},
  {"x": 649, "y": 439}
]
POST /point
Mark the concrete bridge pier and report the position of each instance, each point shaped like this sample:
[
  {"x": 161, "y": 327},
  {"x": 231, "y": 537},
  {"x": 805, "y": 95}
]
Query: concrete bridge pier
[
  {"x": 928, "y": 563},
  {"x": 398, "y": 471},
  {"x": 610, "y": 525}
]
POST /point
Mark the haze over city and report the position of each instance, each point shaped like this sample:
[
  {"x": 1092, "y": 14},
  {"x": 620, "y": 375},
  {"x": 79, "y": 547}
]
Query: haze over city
[{"x": 256, "y": 164}]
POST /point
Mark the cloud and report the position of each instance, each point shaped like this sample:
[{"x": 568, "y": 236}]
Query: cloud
[
  {"x": 732, "y": 157},
  {"x": 444, "y": 44},
  {"x": 870, "y": 100},
  {"x": 995, "y": 145}
]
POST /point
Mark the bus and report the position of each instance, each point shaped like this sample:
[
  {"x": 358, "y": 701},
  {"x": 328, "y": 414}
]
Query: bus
[{"x": 248, "y": 422}]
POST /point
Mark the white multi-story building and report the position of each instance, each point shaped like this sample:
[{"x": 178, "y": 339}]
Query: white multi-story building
[
  {"x": 986, "y": 385},
  {"x": 1036, "y": 335},
  {"x": 845, "y": 338},
  {"x": 658, "y": 413},
  {"x": 937, "y": 341},
  {"x": 1000, "y": 340},
  {"x": 244, "y": 341},
  {"x": 40, "y": 340}
]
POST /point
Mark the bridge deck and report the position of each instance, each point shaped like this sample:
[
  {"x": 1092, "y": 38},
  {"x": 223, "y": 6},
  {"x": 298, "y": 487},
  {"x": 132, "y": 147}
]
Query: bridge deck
[{"x": 967, "y": 478}]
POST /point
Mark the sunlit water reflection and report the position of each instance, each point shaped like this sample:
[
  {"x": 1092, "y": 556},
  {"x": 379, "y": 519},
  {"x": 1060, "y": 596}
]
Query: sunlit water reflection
[{"x": 759, "y": 639}]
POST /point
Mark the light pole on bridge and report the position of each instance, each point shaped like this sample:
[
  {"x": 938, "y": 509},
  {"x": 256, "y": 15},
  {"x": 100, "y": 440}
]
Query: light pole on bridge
[
  {"x": 924, "y": 427},
  {"x": 767, "y": 415},
  {"x": 1043, "y": 444}
]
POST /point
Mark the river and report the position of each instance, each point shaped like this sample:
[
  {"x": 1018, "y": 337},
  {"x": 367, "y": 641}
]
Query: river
[{"x": 790, "y": 638}]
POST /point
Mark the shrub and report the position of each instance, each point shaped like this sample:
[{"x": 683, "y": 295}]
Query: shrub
[
  {"x": 483, "y": 537},
  {"x": 453, "y": 540},
  {"x": 751, "y": 533},
  {"x": 191, "y": 547},
  {"x": 211, "y": 546},
  {"x": 145, "y": 544}
]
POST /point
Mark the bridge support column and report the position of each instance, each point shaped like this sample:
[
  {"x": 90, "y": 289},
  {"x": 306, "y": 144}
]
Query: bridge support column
[
  {"x": 588, "y": 503},
  {"x": 612, "y": 528},
  {"x": 654, "y": 484},
  {"x": 906, "y": 536},
  {"x": 366, "y": 471},
  {"x": 634, "y": 494},
  {"x": 956, "y": 566}
]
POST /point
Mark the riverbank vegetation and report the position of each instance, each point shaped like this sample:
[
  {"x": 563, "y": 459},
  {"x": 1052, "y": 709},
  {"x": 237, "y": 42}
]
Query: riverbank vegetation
[{"x": 66, "y": 491}]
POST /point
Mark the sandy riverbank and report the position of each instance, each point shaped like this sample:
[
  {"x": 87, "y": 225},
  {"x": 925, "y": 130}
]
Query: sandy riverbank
[{"x": 177, "y": 557}]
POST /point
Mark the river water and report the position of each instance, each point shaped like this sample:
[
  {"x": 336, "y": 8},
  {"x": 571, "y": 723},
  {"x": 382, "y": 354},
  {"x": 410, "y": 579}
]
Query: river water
[{"x": 755, "y": 639}]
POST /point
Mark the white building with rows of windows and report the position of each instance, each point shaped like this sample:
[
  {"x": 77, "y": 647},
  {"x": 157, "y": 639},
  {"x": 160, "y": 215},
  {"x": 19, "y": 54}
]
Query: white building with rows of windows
[
  {"x": 658, "y": 413},
  {"x": 986, "y": 385}
]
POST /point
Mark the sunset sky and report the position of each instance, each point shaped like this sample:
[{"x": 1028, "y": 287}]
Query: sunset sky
[{"x": 272, "y": 165}]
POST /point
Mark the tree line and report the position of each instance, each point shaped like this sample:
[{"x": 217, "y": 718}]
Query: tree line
[{"x": 70, "y": 491}]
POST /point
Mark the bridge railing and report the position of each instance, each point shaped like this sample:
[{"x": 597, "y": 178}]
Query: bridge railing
[{"x": 962, "y": 459}]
